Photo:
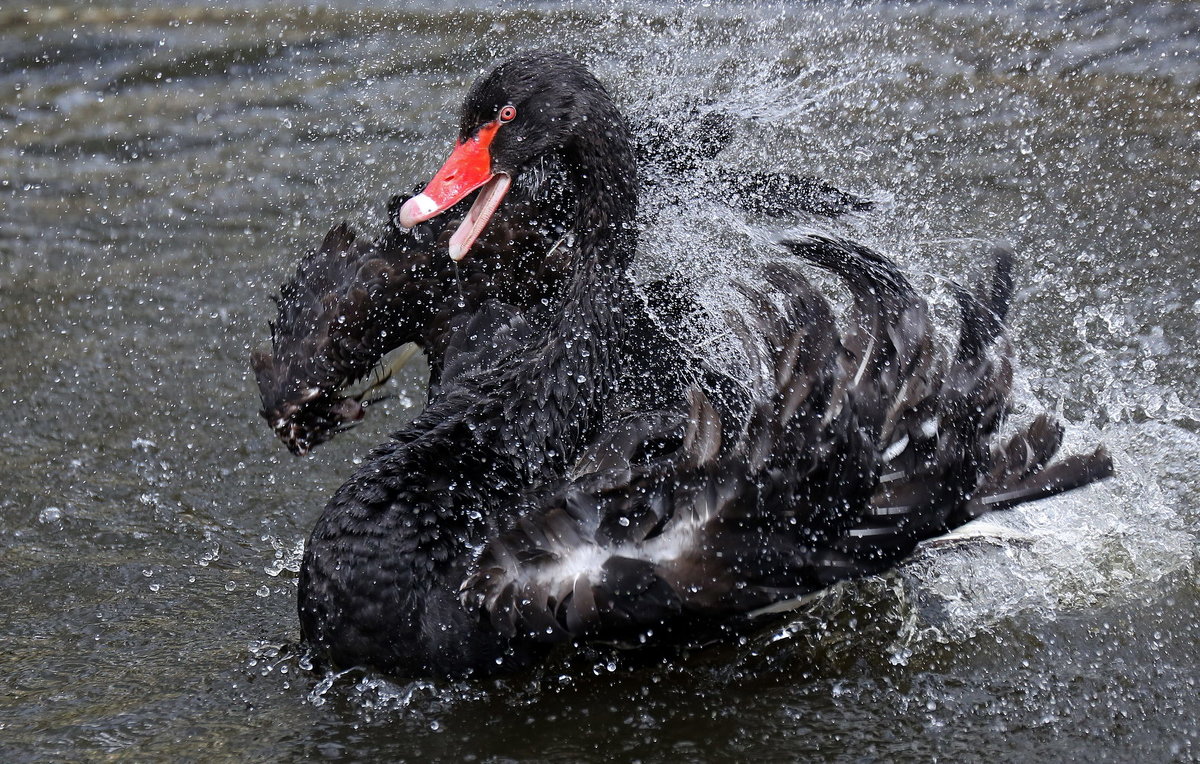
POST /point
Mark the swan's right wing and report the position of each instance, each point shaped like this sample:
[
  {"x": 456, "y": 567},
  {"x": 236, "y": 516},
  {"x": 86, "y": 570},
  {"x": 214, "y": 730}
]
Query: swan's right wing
[
  {"x": 667, "y": 158},
  {"x": 781, "y": 194}
]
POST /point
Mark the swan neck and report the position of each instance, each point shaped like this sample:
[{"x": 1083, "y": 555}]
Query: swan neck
[{"x": 605, "y": 173}]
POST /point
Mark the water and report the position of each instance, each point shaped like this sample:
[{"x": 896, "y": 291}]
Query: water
[{"x": 161, "y": 167}]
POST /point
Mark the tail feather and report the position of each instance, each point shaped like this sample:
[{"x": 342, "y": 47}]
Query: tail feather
[
  {"x": 1072, "y": 472},
  {"x": 1026, "y": 452},
  {"x": 984, "y": 310},
  {"x": 889, "y": 337}
]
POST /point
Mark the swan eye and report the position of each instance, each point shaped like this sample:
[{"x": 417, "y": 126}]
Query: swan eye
[{"x": 508, "y": 113}]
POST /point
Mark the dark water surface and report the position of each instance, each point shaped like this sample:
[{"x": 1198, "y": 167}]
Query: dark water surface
[{"x": 162, "y": 167}]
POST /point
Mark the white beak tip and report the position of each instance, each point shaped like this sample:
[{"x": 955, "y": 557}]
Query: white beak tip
[{"x": 417, "y": 210}]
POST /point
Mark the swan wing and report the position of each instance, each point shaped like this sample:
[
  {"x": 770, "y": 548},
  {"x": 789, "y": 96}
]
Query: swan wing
[{"x": 815, "y": 486}]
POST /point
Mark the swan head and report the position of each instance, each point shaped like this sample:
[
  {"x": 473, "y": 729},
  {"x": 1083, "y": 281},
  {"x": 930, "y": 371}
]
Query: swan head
[{"x": 528, "y": 107}]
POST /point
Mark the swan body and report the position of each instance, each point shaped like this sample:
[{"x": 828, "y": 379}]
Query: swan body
[{"x": 519, "y": 510}]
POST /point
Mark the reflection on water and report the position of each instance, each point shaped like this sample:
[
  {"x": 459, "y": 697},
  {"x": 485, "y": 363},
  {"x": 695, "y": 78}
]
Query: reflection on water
[{"x": 160, "y": 168}]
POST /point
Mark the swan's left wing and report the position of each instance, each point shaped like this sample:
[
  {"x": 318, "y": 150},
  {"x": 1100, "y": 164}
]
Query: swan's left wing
[
  {"x": 672, "y": 520},
  {"x": 856, "y": 448}
]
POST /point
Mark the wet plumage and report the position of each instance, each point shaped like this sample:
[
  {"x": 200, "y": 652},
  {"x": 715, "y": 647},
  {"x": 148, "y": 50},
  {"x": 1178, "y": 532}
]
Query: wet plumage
[
  {"x": 862, "y": 442},
  {"x": 520, "y": 510}
]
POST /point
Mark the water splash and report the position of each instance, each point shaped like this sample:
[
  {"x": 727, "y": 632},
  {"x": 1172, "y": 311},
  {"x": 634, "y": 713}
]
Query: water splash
[{"x": 796, "y": 87}]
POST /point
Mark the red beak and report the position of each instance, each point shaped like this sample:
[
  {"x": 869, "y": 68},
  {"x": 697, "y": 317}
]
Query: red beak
[{"x": 468, "y": 168}]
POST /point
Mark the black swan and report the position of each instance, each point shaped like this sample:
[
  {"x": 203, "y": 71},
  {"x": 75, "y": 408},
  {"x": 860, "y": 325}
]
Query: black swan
[
  {"x": 511, "y": 515},
  {"x": 353, "y": 301}
]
